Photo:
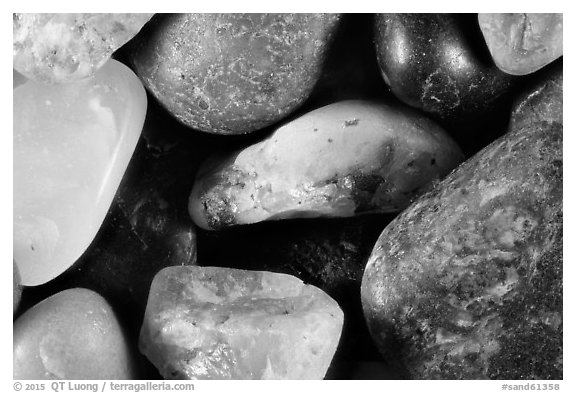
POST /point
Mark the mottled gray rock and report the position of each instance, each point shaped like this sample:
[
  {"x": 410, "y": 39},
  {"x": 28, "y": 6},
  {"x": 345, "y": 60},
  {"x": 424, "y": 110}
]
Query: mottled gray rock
[
  {"x": 233, "y": 73},
  {"x": 467, "y": 282}
]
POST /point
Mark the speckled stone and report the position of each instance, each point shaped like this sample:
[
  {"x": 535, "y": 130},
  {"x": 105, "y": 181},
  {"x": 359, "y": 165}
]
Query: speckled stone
[
  {"x": 344, "y": 159},
  {"x": 217, "y": 323},
  {"x": 61, "y": 48},
  {"x": 467, "y": 282},
  {"x": 541, "y": 101},
  {"x": 233, "y": 73},
  {"x": 432, "y": 62},
  {"x": 522, "y": 43}
]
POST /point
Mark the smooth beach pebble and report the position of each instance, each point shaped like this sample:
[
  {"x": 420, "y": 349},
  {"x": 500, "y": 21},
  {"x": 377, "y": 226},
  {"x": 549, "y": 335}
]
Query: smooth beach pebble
[
  {"x": 73, "y": 334},
  {"x": 63, "y": 48},
  {"x": 217, "y": 323},
  {"x": 72, "y": 144},
  {"x": 345, "y": 159},
  {"x": 523, "y": 43},
  {"x": 233, "y": 73},
  {"x": 467, "y": 282},
  {"x": 432, "y": 62}
]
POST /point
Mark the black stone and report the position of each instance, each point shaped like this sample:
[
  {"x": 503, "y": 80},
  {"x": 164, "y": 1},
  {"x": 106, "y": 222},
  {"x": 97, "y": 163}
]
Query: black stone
[
  {"x": 433, "y": 62},
  {"x": 439, "y": 63}
]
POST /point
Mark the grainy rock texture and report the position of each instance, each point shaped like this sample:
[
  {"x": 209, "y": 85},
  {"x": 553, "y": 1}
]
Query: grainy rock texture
[
  {"x": 61, "y": 48},
  {"x": 467, "y": 282},
  {"x": 233, "y": 73},
  {"x": 522, "y": 43},
  {"x": 217, "y": 323},
  {"x": 432, "y": 62},
  {"x": 71, "y": 335},
  {"x": 341, "y": 160},
  {"x": 542, "y": 101}
]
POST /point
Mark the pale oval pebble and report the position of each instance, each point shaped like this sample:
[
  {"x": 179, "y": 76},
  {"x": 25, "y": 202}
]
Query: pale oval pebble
[
  {"x": 72, "y": 144},
  {"x": 344, "y": 159},
  {"x": 73, "y": 334}
]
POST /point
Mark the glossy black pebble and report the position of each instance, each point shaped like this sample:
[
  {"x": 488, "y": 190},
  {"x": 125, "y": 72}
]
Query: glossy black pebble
[{"x": 439, "y": 64}]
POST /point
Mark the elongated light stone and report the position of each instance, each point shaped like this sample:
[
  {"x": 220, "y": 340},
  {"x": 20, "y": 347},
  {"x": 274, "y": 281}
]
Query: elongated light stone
[
  {"x": 345, "y": 159},
  {"x": 72, "y": 144}
]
